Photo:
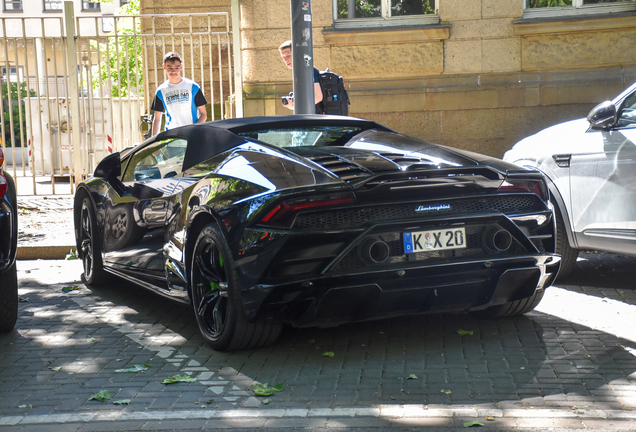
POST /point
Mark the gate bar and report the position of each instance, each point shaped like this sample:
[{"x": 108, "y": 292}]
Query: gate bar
[{"x": 73, "y": 90}]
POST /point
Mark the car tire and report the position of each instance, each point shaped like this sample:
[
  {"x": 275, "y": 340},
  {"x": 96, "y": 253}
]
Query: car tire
[
  {"x": 568, "y": 254},
  {"x": 91, "y": 247},
  {"x": 517, "y": 307},
  {"x": 9, "y": 296},
  {"x": 216, "y": 297}
]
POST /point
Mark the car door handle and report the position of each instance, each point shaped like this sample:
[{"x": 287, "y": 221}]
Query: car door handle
[{"x": 562, "y": 160}]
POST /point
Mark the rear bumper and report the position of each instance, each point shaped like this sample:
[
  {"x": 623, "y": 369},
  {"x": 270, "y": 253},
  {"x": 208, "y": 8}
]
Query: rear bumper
[{"x": 466, "y": 286}]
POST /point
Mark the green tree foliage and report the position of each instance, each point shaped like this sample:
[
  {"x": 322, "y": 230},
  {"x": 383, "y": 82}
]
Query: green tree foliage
[
  {"x": 531, "y": 4},
  {"x": 373, "y": 8},
  {"x": 121, "y": 56},
  {"x": 17, "y": 97},
  {"x": 547, "y": 3}
]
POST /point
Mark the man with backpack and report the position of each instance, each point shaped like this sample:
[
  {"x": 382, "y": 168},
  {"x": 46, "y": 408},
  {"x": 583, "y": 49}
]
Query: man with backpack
[
  {"x": 330, "y": 94},
  {"x": 288, "y": 101}
]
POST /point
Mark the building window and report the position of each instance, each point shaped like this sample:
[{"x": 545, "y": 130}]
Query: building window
[
  {"x": 53, "y": 5},
  {"x": 380, "y": 13},
  {"x": 13, "y": 5},
  {"x": 17, "y": 73},
  {"x": 554, "y": 8},
  {"x": 90, "y": 6},
  {"x": 123, "y": 2}
]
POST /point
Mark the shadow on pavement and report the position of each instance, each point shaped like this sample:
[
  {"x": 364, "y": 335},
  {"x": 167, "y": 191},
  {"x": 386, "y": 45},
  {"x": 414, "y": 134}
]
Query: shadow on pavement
[
  {"x": 69, "y": 346},
  {"x": 534, "y": 360},
  {"x": 603, "y": 275}
]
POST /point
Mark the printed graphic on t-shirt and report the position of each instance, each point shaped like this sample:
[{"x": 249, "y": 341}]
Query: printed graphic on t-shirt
[{"x": 177, "y": 96}]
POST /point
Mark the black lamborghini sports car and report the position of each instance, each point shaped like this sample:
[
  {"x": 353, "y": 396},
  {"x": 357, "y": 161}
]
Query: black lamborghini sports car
[{"x": 315, "y": 221}]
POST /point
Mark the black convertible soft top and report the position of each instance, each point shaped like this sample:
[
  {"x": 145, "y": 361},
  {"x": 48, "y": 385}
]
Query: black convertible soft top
[{"x": 208, "y": 139}]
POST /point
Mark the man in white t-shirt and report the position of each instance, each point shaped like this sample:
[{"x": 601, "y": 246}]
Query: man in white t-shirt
[{"x": 180, "y": 98}]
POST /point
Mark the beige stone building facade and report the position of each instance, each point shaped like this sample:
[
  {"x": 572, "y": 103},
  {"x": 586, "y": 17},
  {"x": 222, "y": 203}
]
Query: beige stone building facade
[{"x": 475, "y": 74}]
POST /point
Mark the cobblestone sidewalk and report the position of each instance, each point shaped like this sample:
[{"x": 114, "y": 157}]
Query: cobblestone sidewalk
[
  {"x": 569, "y": 365},
  {"x": 45, "y": 227}
]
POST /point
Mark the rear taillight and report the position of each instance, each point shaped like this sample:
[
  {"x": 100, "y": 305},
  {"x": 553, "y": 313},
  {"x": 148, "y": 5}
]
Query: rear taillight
[
  {"x": 287, "y": 208},
  {"x": 3, "y": 185},
  {"x": 536, "y": 187},
  {"x": 3, "y": 181}
]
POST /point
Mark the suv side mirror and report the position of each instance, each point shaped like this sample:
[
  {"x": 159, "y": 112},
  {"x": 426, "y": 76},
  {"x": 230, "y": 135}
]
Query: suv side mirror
[{"x": 603, "y": 116}]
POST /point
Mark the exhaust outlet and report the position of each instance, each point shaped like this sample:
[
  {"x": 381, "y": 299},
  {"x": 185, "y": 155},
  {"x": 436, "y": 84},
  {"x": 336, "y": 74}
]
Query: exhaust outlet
[
  {"x": 374, "y": 251},
  {"x": 497, "y": 240}
]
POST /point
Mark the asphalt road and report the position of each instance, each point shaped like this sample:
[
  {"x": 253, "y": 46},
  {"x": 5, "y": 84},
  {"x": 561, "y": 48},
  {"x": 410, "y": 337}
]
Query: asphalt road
[{"x": 569, "y": 365}]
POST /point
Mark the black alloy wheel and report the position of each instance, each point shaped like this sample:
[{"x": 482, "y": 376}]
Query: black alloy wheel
[
  {"x": 91, "y": 252},
  {"x": 216, "y": 301}
]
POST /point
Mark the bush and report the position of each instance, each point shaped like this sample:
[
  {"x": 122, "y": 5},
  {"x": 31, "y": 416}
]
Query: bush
[{"x": 16, "y": 98}]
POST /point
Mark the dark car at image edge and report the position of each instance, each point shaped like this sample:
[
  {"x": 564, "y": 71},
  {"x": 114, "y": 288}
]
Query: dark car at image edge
[
  {"x": 8, "y": 250},
  {"x": 315, "y": 221}
]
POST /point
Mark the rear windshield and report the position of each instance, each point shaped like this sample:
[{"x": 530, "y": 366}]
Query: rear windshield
[{"x": 315, "y": 136}]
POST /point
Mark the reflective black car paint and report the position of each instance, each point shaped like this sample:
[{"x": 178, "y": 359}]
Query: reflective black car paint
[{"x": 306, "y": 268}]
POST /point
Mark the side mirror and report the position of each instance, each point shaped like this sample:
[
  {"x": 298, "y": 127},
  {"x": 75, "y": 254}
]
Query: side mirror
[
  {"x": 603, "y": 116},
  {"x": 109, "y": 168}
]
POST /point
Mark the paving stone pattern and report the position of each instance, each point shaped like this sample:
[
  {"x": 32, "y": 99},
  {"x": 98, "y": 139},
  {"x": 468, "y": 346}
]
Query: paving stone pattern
[{"x": 68, "y": 346}]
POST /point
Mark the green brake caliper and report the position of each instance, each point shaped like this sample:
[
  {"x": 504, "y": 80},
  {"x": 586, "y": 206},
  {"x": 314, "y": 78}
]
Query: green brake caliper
[{"x": 213, "y": 285}]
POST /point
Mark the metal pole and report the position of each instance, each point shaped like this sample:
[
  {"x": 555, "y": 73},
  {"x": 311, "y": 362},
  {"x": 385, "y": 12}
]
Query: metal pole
[
  {"x": 74, "y": 115},
  {"x": 2, "y": 144},
  {"x": 351, "y": 10},
  {"x": 236, "y": 49},
  {"x": 121, "y": 134},
  {"x": 211, "y": 68},
  {"x": 28, "y": 98},
  {"x": 302, "y": 53},
  {"x": 221, "y": 100},
  {"x": 8, "y": 69},
  {"x": 9, "y": 97}
]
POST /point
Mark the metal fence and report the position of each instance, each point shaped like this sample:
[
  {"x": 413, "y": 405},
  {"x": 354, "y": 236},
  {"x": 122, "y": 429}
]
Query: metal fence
[{"x": 75, "y": 89}]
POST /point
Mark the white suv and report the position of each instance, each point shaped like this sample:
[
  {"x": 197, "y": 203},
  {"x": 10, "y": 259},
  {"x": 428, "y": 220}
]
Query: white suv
[{"x": 591, "y": 167}]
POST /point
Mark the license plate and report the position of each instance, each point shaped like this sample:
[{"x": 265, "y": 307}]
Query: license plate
[{"x": 426, "y": 241}]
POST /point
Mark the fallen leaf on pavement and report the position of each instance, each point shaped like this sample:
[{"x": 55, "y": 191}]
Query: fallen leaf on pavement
[
  {"x": 134, "y": 368},
  {"x": 264, "y": 390},
  {"x": 177, "y": 379},
  {"x": 102, "y": 396}
]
